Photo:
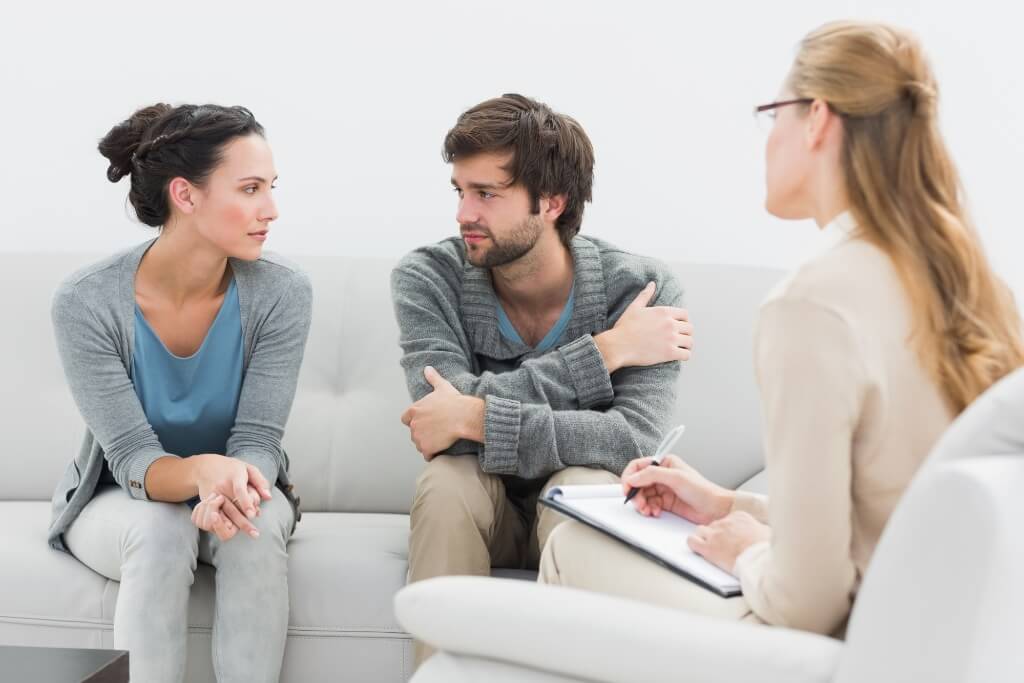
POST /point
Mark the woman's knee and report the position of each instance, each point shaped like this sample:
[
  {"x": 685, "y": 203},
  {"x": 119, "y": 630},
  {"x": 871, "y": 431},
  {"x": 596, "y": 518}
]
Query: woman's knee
[
  {"x": 274, "y": 524},
  {"x": 161, "y": 533}
]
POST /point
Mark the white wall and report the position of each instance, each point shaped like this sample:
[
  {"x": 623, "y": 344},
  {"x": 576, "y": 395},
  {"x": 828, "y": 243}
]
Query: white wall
[{"x": 356, "y": 99}]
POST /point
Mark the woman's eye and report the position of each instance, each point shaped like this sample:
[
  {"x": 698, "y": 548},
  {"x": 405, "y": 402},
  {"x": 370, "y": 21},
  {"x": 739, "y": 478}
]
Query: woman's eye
[{"x": 250, "y": 190}]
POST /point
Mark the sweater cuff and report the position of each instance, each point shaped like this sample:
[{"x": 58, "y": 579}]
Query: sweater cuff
[
  {"x": 754, "y": 504},
  {"x": 501, "y": 436},
  {"x": 135, "y": 484},
  {"x": 264, "y": 462},
  {"x": 589, "y": 375}
]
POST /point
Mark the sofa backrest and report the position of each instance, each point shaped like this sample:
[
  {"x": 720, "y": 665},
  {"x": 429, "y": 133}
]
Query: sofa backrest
[{"x": 348, "y": 449}]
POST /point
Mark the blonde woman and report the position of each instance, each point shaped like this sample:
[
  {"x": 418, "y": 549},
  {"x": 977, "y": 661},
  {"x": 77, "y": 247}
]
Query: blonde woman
[{"x": 863, "y": 355}]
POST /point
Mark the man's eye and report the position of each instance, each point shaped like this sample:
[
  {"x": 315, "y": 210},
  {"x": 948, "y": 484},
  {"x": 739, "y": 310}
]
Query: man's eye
[
  {"x": 457, "y": 191},
  {"x": 486, "y": 195}
]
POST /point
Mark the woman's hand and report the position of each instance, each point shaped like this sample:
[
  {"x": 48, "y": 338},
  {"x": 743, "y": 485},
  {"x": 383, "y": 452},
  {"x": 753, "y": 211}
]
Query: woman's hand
[
  {"x": 241, "y": 484},
  {"x": 207, "y": 516},
  {"x": 675, "y": 486},
  {"x": 724, "y": 540},
  {"x": 230, "y": 477}
]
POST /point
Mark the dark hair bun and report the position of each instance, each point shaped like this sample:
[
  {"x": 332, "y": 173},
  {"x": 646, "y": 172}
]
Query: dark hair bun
[
  {"x": 159, "y": 143},
  {"x": 120, "y": 143}
]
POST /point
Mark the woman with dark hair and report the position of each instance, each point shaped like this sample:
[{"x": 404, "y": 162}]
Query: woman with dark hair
[{"x": 182, "y": 355}]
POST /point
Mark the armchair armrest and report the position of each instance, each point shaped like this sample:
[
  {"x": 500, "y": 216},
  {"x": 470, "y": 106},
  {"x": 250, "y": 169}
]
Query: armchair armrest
[{"x": 602, "y": 638}]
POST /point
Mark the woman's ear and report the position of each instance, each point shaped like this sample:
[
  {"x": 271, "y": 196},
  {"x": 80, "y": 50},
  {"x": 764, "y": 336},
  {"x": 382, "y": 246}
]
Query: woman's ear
[
  {"x": 180, "y": 193},
  {"x": 821, "y": 121}
]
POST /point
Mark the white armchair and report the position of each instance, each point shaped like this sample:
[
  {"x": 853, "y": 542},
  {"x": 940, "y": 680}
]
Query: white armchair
[{"x": 943, "y": 599}]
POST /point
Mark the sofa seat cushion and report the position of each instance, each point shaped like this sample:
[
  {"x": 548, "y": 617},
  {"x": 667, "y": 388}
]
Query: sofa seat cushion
[{"x": 344, "y": 570}]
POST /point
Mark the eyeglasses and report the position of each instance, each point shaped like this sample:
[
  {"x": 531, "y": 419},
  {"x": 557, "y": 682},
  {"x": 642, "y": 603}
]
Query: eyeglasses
[{"x": 765, "y": 113}]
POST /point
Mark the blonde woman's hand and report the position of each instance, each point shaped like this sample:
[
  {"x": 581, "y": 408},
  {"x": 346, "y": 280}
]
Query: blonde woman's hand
[
  {"x": 725, "y": 539},
  {"x": 676, "y": 487}
]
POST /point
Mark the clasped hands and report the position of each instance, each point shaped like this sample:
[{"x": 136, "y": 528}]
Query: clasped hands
[
  {"x": 676, "y": 487},
  {"x": 230, "y": 493}
]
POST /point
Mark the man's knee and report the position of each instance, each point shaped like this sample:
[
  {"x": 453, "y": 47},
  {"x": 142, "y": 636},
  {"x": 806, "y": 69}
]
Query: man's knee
[
  {"x": 581, "y": 475},
  {"x": 447, "y": 477},
  {"x": 548, "y": 519},
  {"x": 451, "y": 488}
]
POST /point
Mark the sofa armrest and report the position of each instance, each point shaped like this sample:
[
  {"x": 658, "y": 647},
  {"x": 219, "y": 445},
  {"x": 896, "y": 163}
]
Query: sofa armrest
[{"x": 602, "y": 638}]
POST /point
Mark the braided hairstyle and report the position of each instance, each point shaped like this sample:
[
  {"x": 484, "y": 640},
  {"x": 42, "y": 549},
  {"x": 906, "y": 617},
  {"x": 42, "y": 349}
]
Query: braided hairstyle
[{"x": 159, "y": 143}]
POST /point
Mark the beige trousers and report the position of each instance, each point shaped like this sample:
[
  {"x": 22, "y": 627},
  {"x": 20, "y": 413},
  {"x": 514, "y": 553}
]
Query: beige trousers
[
  {"x": 581, "y": 557},
  {"x": 464, "y": 521}
]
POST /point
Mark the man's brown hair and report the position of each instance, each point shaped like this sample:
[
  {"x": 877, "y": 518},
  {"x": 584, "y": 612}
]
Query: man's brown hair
[{"x": 551, "y": 153}]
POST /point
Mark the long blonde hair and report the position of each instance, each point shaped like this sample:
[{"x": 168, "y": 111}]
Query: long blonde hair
[{"x": 905, "y": 196}]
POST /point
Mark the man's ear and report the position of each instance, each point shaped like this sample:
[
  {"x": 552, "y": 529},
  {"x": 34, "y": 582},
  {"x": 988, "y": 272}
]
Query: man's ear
[
  {"x": 180, "y": 192},
  {"x": 552, "y": 206}
]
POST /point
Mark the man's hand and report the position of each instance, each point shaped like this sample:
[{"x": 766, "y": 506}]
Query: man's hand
[
  {"x": 646, "y": 335},
  {"x": 443, "y": 416},
  {"x": 722, "y": 541}
]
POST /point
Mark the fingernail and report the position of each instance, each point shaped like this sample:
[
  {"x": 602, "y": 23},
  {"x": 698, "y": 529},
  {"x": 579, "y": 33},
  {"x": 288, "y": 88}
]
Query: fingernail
[{"x": 254, "y": 533}]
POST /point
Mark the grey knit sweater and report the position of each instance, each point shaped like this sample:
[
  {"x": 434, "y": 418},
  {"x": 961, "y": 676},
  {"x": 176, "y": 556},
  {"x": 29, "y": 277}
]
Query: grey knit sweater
[
  {"x": 93, "y": 318},
  {"x": 544, "y": 411}
]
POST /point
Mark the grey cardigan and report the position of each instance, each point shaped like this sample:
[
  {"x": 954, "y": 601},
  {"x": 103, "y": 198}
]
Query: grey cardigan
[
  {"x": 94, "y": 318},
  {"x": 544, "y": 411}
]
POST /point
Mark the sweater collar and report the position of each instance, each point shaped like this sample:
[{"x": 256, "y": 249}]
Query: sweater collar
[{"x": 479, "y": 304}]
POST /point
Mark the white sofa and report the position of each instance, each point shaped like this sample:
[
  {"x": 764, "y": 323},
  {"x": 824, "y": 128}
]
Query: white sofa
[
  {"x": 942, "y": 600},
  {"x": 352, "y": 463}
]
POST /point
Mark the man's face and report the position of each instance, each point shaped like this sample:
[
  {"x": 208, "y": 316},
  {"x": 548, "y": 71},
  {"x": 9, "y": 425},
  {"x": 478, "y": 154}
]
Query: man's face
[{"x": 494, "y": 217}]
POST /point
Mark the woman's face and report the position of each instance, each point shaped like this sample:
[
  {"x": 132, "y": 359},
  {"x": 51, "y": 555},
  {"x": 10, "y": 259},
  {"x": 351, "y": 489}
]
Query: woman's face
[
  {"x": 788, "y": 162},
  {"x": 234, "y": 208}
]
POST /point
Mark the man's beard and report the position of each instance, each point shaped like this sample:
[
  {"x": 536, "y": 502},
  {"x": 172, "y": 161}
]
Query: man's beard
[{"x": 519, "y": 242}]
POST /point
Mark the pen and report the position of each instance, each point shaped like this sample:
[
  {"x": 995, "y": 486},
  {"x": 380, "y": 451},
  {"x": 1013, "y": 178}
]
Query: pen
[{"x": 667, "y": 443}]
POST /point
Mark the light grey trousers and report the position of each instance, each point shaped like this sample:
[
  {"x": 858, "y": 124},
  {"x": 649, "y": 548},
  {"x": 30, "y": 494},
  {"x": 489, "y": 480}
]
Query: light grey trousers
[{"x": 152, "y": 549}]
